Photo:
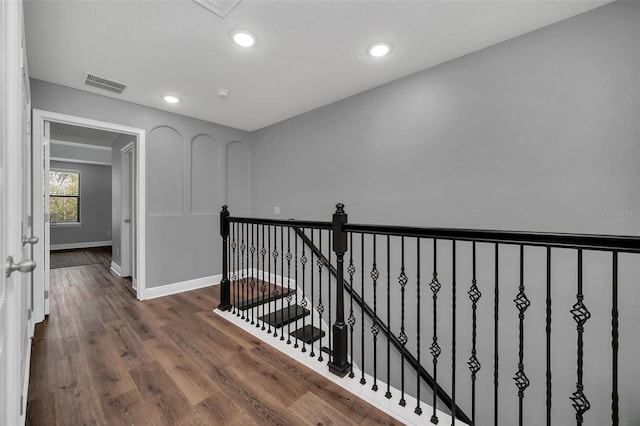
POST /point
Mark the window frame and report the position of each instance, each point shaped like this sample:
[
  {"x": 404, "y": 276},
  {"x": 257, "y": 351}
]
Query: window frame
[{"x": 77, "y": 222}]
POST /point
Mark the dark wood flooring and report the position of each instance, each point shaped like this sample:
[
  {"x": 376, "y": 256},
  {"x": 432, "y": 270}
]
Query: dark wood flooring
[
  {"x": 79, "y": 257},
  {"x": 104, "y": 358}
]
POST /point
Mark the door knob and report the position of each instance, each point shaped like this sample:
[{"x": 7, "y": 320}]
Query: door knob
[
  {"x": 30, "y": 240},
  {"x": 24, "y": 266}
]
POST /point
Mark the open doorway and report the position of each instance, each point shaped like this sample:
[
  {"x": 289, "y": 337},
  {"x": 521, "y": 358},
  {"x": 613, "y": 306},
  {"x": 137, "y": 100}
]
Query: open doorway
[{"x": 87, "y": 145}]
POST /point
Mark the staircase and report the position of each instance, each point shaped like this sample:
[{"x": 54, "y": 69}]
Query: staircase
[
  {"x": 281, "y": 311},
  {"x": 286, "y": 324}
]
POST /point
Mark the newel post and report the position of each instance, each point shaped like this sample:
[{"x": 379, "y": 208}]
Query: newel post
[
  {"x": 225, "y": 287},
  {"x": 339, "y": 364}
]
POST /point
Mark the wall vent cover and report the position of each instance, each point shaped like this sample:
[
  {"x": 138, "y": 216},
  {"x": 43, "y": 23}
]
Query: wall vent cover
[{"x": 104, "y": 83}]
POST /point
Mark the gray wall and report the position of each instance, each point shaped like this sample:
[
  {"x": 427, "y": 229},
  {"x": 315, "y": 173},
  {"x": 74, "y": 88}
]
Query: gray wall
[
  {"x": 182, "y": 222},
  {"x": 538, "y": 133},
  {"x": 95, "y": 205}
]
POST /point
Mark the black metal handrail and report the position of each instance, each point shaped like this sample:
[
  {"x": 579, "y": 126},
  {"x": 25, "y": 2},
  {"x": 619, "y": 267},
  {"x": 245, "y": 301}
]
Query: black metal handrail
[
  {"x": 282, "y": 222},
  {"x": 384, "y": 328},
  {"x": 622, "y": 243},
  {"x": 339, "y": 231}
]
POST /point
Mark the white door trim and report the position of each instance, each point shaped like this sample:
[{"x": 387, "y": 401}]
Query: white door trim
[
  {"x": 41, "y": 117},
  {"x": 126, "y": 228}
]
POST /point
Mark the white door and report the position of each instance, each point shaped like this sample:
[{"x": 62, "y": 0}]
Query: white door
[
  {"x": 125, "y": 226},
  {"x": 15, "y": 194}
]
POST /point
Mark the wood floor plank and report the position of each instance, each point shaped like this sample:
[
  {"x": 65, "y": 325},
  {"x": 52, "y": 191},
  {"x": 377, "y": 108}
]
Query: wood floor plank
[
  {"x": 315, "y": 411},
  {"x": 42, "y": 410},
  {"x": 159, "y": 391},
  {"x": 129, "y": 409},
  {"x": 104, "y": 358},
  {"x": 195, "y": 386},
  {"x": 252, "y": 402},
  {"x": 76, "y": 406},
  {"x": 107, "y": 367},
  {"x": 127, "y": 343},
  {"x": 214, "y": 408}
]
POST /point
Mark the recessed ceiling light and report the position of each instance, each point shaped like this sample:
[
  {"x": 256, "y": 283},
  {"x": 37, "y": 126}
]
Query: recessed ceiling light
[
  {"x": 171, "y": 99},
  {"x": 244, "y": 38},
  {"x": 379, "y": 50}
]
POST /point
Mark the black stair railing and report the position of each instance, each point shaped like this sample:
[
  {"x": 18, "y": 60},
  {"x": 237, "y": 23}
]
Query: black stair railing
[
  {"x": 457, "y": 262},
  {"x": 439, "y": 392}
]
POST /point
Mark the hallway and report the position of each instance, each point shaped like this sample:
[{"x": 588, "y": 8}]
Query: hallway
[{"x": 103, "y": 357}]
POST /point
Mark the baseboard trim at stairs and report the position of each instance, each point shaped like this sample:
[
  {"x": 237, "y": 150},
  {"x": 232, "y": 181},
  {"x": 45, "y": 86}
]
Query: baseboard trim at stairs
[
  {"x": 353, "y": 386},
  {"x": 169, "y": 289}
]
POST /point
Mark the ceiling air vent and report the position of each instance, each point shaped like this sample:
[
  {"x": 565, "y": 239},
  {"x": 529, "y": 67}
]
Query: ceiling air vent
[{"x": 104, "y": 84}]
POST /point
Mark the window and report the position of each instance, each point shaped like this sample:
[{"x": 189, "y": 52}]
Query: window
[{"x": 64, "y": 196}]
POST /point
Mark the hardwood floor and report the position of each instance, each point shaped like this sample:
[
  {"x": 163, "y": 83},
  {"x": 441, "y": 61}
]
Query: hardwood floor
[
  {"x": 77, "y": 257},
  {"x": 104, "y": 358}
]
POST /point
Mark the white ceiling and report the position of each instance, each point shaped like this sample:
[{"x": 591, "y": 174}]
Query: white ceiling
[{"x": 309, "y": 52}]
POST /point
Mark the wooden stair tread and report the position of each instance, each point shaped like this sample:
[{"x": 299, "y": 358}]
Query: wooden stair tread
[
  {"x": 259, "y": 300},
  {"x": 284, "y": 316},
  {"x": 308, "y": 334}
]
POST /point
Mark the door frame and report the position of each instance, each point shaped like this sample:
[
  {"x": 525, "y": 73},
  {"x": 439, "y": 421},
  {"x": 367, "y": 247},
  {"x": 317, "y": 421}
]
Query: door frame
[
  {"x": 127, "y": 154},
  {"x": 40, "y": 160}
]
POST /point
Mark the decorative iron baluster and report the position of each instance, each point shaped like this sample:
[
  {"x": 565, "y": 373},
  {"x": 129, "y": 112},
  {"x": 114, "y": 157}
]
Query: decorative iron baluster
[
  {"x": 239, "y": 271},
  {"x": 252, "y": 284},
  {"x": 388, "y": 393},
  {"x": 289, "y": 297},
  {"x": 243, "y": 273},
  {"x": 320, "y": 307},
  {"x": 473, "y": 363},
  {"x": 580, "y": 315},
  {"x": 522, "y": 303},
  {"x": 234, "y": 277},
  {"x": 548, "y": 336},
  {"x": 453, "y": 332},
  {"x": 362, "y": 379},
  {"x": 435, "y": 348},
  {"x": 311, "y": 345},
  {"x": 303, "y": 302},
  {"x": 496, "y": 301},
  {"x": 330, "y": 328},
  {"x": 352, "y": 320},
  {"x": 402, "y": 280},
  {"x": 418, "y": 410},
  {"x": 269, "y": 284},
  {"x": 281, "y": 279},
  {"x": 375, "y": 328},
  {"x": 275, "y": 291},
  {"x": 263, "y": 287},
  {"x": 614, "y": 342}
]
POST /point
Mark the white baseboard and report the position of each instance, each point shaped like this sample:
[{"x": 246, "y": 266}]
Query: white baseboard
[
  {"x": 88, "y": 244},
  {"x": 169, "y": 289},
  {"x": 116, "y": 268}
]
